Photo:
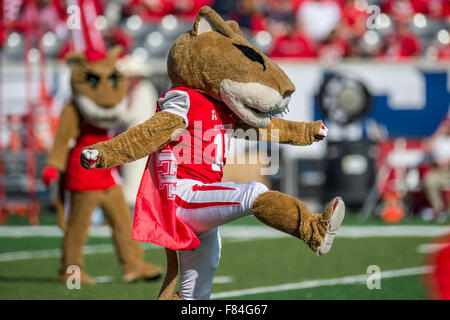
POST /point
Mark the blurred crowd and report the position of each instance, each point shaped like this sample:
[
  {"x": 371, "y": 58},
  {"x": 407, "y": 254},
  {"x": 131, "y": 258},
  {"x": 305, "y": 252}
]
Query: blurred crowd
[
  {"x": 319, "y": 29},
  {"x": 335, "y": 29}
]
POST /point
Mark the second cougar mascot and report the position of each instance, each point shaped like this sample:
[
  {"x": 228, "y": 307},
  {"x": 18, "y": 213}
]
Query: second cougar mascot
[{"x": 98, "y": 105}]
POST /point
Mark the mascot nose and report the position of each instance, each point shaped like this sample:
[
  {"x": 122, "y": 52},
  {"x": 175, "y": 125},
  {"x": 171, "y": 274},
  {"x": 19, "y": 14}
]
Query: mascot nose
[{"x": 287, "y": 93}]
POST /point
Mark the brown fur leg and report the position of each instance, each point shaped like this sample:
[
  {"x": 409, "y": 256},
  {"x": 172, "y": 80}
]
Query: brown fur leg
[
  {"x": 129, "y": 251},
  {"x": 292, "y": 216},
  {"x": 170, "y": 280},
  {"x": 82, "y": 206},
  {"x": 60, "y": 210}
]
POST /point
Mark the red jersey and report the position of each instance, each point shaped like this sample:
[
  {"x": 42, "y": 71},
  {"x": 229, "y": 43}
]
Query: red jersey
[
  {"x": 199, "y": 153},
  {"x": 201, "y": 150},
  {"x": 79, "y": 179}
]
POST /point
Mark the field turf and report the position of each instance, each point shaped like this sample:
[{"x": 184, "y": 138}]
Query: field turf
[{"x": 279, "y": 268}]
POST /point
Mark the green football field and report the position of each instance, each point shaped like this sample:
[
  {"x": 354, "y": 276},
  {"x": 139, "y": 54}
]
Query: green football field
[{"x": 256, "y": 263}]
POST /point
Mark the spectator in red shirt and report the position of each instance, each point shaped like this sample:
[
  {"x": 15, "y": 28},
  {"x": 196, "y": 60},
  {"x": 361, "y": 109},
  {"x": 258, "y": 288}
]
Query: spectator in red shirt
[
  {"x": 354, "y": 19},
  {"x": 400, "y": 11},
  {"x": 293, "y": 44},
  {"x": 444, "y": 52},
  {"x": 402, "y": 44},
  {"x": 334, "y": 47},
  {"x": 149, "y": 10},
  {"x": 434, "y": 9},
  {"x": 249, "y": 17}
]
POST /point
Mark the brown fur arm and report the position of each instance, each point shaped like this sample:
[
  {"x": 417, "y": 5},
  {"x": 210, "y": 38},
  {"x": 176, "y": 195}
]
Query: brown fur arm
[
  {"x": 139, "y": 141},
  {"x": 285, "y": 131},
  {"x": 68, "y": 128}
]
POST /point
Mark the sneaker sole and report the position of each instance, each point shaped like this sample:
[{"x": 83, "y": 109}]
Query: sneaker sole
[{"x": 333, "y": 226}]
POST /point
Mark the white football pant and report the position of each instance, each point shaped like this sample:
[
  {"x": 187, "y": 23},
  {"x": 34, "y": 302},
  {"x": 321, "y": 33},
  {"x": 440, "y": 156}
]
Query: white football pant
[{"x": 204, "y": 207}]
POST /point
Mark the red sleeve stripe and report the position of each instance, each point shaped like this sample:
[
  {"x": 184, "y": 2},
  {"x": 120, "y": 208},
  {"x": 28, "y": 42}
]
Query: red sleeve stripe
[
  {"x": 198, "y": 205},
  {"x": 210, "y": 188}
]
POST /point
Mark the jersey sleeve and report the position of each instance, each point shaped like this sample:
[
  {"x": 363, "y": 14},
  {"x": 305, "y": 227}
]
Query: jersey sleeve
[{"x": 176, "y": 102}]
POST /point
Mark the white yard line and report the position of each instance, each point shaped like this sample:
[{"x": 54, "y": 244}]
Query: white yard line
[
  {"x": 237, "y": 233},
  {"x": 104, "y": 279},
  {"x": 431, "y": 247},
  {"x": 243, "y": 232},
  {"x": 223, "y": 279},
  {"x": 56, "y": 253},
  {"x": 262, "y": 232},
  {"x": 361, "y": 278},
  {"x": 48, "y": 231}
]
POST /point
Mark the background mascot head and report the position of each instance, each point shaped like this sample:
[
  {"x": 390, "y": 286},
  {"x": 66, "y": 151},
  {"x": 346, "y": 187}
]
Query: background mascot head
[{"x": 99, "y": 89}]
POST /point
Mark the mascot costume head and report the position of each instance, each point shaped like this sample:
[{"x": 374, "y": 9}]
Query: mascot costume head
[
  {"x": 215, "y": 59},
  {"x": 223, "y": 83},
  {"x": 100, "y": 89}
]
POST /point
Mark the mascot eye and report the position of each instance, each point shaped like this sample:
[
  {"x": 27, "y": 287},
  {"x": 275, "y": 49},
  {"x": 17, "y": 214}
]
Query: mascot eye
[
  {"x": 92, "y": 79},
  {"x": 113, "y": 79},
  {"x": 251, "y": 54}
]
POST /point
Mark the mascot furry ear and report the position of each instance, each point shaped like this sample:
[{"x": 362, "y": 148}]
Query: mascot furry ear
[
  {"x": 223, "y": 82},
  {"x": 207, "y": 20},
  {"x": 74, "y": 58}
]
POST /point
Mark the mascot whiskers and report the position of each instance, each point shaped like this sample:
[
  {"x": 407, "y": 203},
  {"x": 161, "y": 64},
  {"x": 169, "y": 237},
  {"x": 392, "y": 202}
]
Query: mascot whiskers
[
  {"x": 98, "y": 105},
  {"x": 220, "y": 84}
]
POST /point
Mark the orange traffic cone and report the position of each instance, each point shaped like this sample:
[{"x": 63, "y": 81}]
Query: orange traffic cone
[{"x": 392, "y": 211}]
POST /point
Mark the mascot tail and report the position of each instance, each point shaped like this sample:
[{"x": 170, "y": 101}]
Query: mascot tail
[{"x": 170, "y": 280}]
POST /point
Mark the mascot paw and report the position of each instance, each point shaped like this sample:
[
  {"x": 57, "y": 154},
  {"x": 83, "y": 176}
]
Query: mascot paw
[
  {"x": 145, "y": 272},
  {"x": 174, "y": 296},
  {"x": 89, "y": 158},
  {"x": 49, "y": 175},
  {"x": 332, "y": 220},
  {"x": 322, "y": 133}
]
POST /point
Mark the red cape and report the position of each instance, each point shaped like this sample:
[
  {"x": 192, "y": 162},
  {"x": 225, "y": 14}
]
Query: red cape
[{"x": 155, "y": 218}]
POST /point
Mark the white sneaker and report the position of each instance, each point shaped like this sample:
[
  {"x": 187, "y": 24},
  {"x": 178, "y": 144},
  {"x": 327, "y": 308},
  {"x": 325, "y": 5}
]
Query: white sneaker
[{"x": 333, "y": 226}]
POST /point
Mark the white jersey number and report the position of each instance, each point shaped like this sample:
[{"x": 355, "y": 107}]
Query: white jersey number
[{"x": 222, "y": 142}]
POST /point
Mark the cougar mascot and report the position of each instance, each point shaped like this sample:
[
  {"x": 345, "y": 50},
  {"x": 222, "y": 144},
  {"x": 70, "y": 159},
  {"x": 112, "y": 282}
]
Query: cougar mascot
[
  {"x": 221, "y": 86},
  {"x": 98, "y": 105}
]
